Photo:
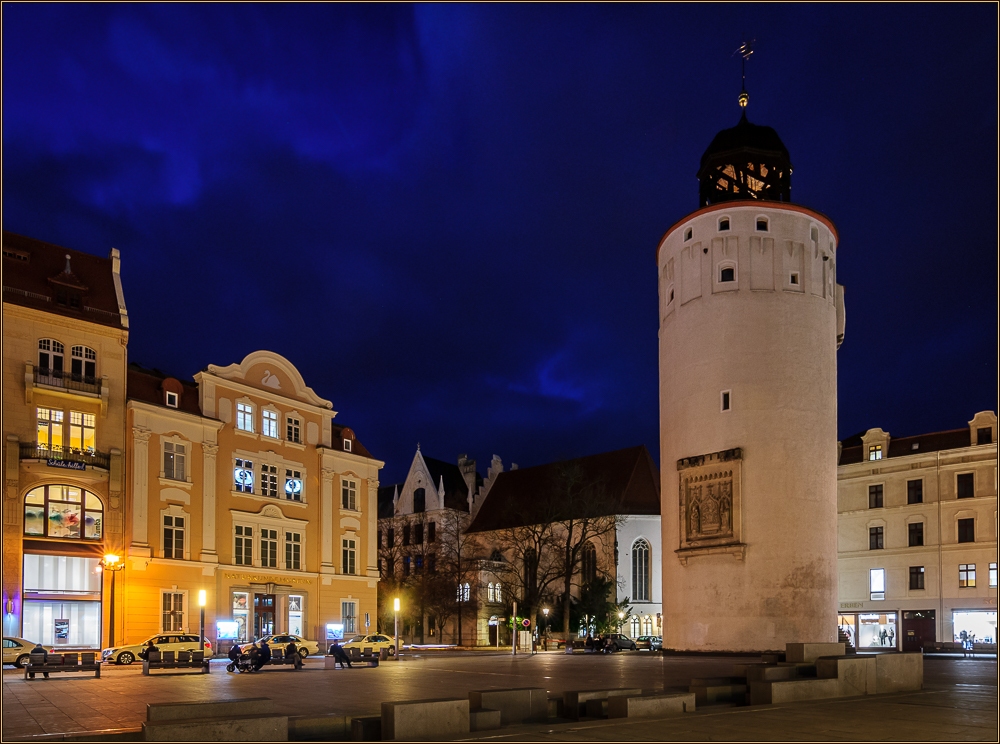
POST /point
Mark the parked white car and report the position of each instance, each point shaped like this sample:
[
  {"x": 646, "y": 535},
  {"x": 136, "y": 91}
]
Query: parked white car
[
  {"x": 279, "y": 641},
  {"x": 375, "y": 642},
  {"x": 17, "y": 650},
  {"x": 163, "y": 641}
]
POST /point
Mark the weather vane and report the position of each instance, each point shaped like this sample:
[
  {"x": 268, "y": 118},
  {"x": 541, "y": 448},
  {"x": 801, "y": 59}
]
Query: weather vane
[{"x": 745, "y": 50}]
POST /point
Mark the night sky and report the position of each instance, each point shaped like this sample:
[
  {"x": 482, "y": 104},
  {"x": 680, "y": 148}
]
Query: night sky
[{"x": 446, "y": 216}]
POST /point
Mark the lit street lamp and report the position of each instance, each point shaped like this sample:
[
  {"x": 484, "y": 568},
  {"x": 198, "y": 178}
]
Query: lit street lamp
[
  {"x": 621, "y": 616},
  {"x": 201, "y": 604},
  {"x": 545, "y": 611},
  {"x": 114, "y": 564},
  {"x": 395, "y": 609}
]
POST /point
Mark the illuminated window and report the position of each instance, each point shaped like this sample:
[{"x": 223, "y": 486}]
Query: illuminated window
[
  {"x": 269, "y": 548},
  {"x": 875, "y": 538},
  {"x": 914, "y": 492},
  {"x": 293, "y": 551},
  {"x": 876, "y": 583},
  {"x": 60, "y": 511},
  {"x": 875, "y": 496},
  {"x": 293, "y": 485},
  {"x": 174, "y": 460},
  {"x": 243, "y": 553},
  {"x": 723, "y": 223},
  {"x": 916, "y": 577},
  {"x": 173, "y": 537},
  {"x": 349, "y": 498},
  {"x": 349, "y": 556},
  {"x": 966, "y": 575},
  {"x": 993, "y": 575},
  {"x": 499, "y": 594},
  {"x": 875, "y": 452},
  {"x": 491, "y": 596},
  {"x": 916, "y": 534},
  {"x": 292, "y": 426},
  {"x": 269, "y": 424},
  {"x": 50, "y": 429},
  {"x": 244, "y": 417},
  {"x": 83, "y": 364},
  {"x": 173, "y": 612},
  {"x": 82, "y": 431},
  {"x": 762, "y": 224},
  {"x": 243, "y": 476},
  {"x": 348, "y": 614},
  {"x": 966, "y": 485},
  {"x": 966, "y": 530}
]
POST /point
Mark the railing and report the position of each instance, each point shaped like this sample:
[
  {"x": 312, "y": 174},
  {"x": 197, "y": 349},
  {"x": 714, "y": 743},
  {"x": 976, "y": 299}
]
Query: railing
[
  {"x": 58, "y": 455},
  {"x": 66, "y": 380},
  {"x": 110, "y": 315}
]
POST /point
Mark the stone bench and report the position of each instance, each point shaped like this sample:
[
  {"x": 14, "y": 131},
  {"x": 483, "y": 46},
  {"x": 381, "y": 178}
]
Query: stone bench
[
  {"x": 856, "y": 674},
  {"x": 787, "y": 691},
  {"x": 425, "y": 719},
  {"x": 158, "y": 712},
  {"x": 243, "y": 719},
  {"x": 651, "y": 706},
  {"x": 809, "y": 652},
  {"x": 575, "y": 701},
  {"x": 330, "y": 662},
  {"x": 483, "y": 719},
  {"x": 516, "y": 705},
  {"x": 183, "y": 660},
  {"x": 899, "y": 672},
  {"x": 62, "y": 663},
  {"x": 713, "y": 690}
]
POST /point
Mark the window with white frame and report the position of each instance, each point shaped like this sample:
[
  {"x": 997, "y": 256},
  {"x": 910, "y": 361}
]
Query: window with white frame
[
  {"x": 349, "y": 494},
  {"x": 173, "y": 612},
  {"x": 293, "y": 485},
  {"x": 875, "y": 452},
  {"x": 993, "y": 575},
  {"x": 269, "y": 424},
  {"x": 50, "y": 360},
  {"x": 876, "y": 583},
  {"x": 490, "y": 594},
  {"x": 172, "y": 400},
  {"x": 498, "y": 592},
  {"x": 268, "y": 548},
  {"x": 243, "y": 475},
  {"x": 640, "y": 571},
  {"x": 83, "y": 364},
  {"x": 269, "y": 481},
  {"x": 966, "y": 575},
  {"x": 349, "y": 556},
  {"x": 244, "y": 417},
  {"x": 349, "y": 616},
  {"x": 50, "y": 429},
  {"x": 293, "y": 551},
  {"x": 174, "y": 461},
  {"x": 83, "y": 431},
  {"x": 173, "y": 536},
  {"x": 292, "y": 428},
  {"x": 243, "y": 549}
]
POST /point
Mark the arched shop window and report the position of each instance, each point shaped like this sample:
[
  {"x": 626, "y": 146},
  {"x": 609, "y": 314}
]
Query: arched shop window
[{"x": 63, "y": 511}]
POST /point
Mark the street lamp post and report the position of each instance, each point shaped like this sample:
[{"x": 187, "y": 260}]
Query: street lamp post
[
  {"x": 621, "y": 616},
  {"x": 201, "y": 604},
  {"x": 395, "y": 610},
  {"x": 545, "y": 612},
  {"x": 114, "y": 564}
]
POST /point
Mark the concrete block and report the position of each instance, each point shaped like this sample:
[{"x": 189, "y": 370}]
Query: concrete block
[
  {"x": 425, "y": 719},
  {"x": 856, "y": 674},
  {"x": 515, "y": 705},
  {"x": 556, "y": 707},
  {"x": 712, "y": 691},
  {"x": 366, "y": 728},
  {"x": 483, "y": 719},
  {"x": 809, "y": 652},
  {"x": 209, "y": 709},
  {"x": 575, "y": 701},
  {"x": 651, "y": 706},
  {"x": 792, "y": 690},
  {"x": 899, "y": 672},
  {"x": 770, "y": 673},
  {"x": 772, "y": 658},
  {"x": 244, "y": 728},
  {"x": 330, "y": 727}
]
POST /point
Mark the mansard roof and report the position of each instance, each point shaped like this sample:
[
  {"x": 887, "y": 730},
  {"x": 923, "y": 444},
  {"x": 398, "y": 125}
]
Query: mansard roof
[
  {"x": 34, "y": 271},
  {"x": 853, "y": 451},
  {"x": 149, "y": 386},
  {"x": 625, "y": 481}
]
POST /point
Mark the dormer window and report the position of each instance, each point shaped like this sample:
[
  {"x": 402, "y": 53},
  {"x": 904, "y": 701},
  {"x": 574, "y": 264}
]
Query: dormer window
[
  {"x": 172, "y": 400},
  {"x": 347, "y": 445},
  {"x": 875, "y": 452}
]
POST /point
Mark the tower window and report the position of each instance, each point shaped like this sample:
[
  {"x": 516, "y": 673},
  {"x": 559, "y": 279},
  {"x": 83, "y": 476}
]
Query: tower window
[
  {"x": 793, "y": 278},
  {"x": 762, "y": 224},
  {"x": 814, "y": 234},
  {"x": 727, "y": 274},
  {"x": 723, "y": 224},
  {"x": 687, "y": 234},
  {"x": 726, "y": 396}
]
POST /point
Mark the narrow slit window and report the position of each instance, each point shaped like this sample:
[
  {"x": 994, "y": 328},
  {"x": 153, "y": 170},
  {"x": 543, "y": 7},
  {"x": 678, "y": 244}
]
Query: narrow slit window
[
  {"x": 723, "y": 224},
  {"x": 687, "y": 234},
  {"x": 726, "y": 400}
]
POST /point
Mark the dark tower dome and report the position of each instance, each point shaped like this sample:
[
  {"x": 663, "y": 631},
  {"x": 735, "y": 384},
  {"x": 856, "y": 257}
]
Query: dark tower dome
[{"x": 745, "y": 162}]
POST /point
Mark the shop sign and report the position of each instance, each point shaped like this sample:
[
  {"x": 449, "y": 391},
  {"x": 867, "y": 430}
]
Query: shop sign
[
  {"x": 851, "y": 605},
  {"x": 66, "y": 464},
  {"x": 257, "y": 579}
]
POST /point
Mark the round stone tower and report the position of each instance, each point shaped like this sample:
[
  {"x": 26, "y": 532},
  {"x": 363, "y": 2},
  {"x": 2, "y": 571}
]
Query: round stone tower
[{"x": 751, "y": 318}]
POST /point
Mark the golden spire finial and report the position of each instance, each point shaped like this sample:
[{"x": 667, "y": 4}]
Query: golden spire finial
[{"x": 745, "y": 50}]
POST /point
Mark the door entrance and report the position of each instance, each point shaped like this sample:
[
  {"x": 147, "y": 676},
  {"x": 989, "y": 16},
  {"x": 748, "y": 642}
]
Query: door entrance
[
  {"x": 918, "y": 629},
  {"x": 263, "y": 615}
]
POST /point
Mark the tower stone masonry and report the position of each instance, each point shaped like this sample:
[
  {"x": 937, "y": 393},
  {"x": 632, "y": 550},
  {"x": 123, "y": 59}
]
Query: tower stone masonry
[{"x": 751, "y": 318}]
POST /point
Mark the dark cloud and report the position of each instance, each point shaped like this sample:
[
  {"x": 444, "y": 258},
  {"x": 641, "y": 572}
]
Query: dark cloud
[{"x": 446, "y": 215}]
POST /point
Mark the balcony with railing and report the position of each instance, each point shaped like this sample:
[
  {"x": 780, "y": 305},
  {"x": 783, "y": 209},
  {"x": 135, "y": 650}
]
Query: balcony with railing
[
  {"x": 65, "y": 456},
  {"x": 61, "y": 379}
]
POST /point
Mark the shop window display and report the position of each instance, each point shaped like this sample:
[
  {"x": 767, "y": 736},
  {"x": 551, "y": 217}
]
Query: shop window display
[
  {"x": 877, "y": 630},
  {"x": 63, "y": 512},
  {"x": 295, "y": 614},
  {"x": 241, "y": 602},
  {"x": 975, "y": 626}
]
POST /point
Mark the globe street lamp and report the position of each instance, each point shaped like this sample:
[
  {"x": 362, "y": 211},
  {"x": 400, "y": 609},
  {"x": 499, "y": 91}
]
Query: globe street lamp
[
  {"x": 114, "y": 564},
  {"x": 395, "y": 610},
  {"x": 201, "y": 604}
]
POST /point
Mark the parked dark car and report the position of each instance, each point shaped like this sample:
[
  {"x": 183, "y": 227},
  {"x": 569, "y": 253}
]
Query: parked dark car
[
  {"x": 644, "y": 643},
  {"x": 621, "y": 642}
]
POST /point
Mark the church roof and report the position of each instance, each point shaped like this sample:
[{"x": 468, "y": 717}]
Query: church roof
[
  {"x": 456, "y": 491},
  {"x": 745, "y": 137},
  {"x": 628, "y": 479}
]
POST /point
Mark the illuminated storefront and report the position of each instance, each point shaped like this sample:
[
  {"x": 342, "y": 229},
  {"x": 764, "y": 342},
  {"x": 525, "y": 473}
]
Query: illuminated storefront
[
  {"x": 975, "y": 626},
  {"x": 870, "y": 629}
]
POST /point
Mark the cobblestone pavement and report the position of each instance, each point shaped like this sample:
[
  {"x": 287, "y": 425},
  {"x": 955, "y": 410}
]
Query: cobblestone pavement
[{"x": 959, "y": 701}]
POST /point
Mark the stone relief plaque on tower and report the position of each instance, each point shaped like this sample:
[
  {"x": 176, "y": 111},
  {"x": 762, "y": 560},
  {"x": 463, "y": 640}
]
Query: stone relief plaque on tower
[{"x": 710, "y": 505}]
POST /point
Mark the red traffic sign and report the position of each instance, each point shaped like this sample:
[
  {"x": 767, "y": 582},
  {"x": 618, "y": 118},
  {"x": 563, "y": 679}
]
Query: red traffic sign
[{"x": 526, "y": 623}]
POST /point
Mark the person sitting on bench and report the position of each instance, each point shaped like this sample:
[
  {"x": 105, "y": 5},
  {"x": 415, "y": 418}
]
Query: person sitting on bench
[
  {"x": 292, "y": 652},
  {"x": 263, "y": 657},
  {"x": 37, "y": 651},
  {"x": 340, "y": 656},
  {"x": 150, "y": 646}
]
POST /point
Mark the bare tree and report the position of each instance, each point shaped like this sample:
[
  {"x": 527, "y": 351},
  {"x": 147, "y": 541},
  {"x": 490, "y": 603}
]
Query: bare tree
[{"x": 455, "y": 567}]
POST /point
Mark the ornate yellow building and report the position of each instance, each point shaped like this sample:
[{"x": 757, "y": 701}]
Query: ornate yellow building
[
  {"x": 243, "y": 487},
  {"x": 65, "y": 334}
]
